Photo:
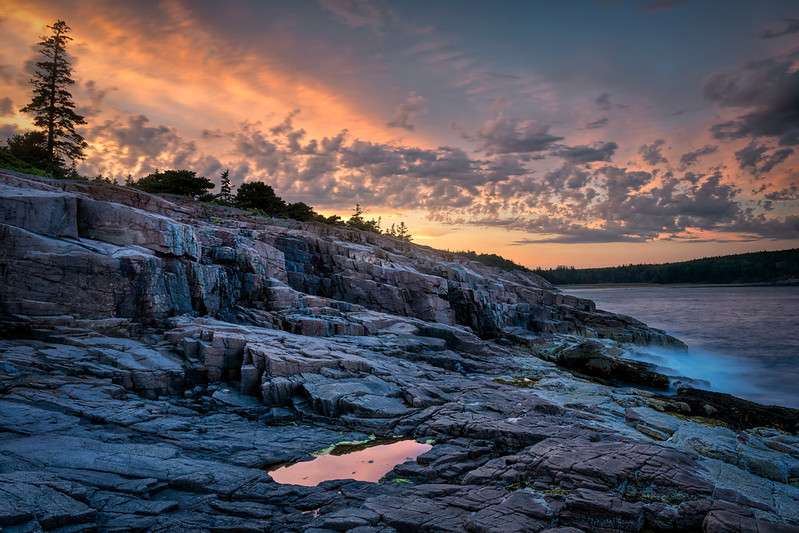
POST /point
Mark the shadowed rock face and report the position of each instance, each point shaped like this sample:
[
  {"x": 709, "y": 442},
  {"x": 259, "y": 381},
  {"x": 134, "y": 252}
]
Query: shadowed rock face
[
  {"x": 158, "y": 356},
  {"x": 149, "y": 259}
]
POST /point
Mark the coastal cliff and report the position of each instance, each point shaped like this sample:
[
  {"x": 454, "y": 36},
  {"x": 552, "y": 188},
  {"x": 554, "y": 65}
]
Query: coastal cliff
[{"x": 158, "y": 356}]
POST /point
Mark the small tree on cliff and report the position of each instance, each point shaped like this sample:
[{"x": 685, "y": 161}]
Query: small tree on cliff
[
  {"x": 52, "y": 106},
  {"x": 358, "y": 222},
  {"x": 259, "y": 195},
  {"x": 225, "y": 196}
]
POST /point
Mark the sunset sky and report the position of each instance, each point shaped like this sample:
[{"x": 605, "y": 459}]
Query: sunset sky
[{"x": 585, "y": 133}]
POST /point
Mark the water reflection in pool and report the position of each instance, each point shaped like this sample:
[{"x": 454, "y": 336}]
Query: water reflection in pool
[{"x": 368, "y": 464}]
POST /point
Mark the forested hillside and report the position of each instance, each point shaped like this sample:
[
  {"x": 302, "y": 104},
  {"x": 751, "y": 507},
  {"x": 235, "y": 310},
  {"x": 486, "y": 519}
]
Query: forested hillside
[{"x": 757, "y": 267}]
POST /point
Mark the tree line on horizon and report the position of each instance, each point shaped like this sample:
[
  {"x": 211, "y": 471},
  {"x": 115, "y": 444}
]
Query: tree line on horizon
[
  {"x": 753, "y": 267},
  {"x": 43, "y": 152}
]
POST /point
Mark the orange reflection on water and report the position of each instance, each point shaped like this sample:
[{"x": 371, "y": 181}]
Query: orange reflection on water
[{"x": 369, "y": 464}]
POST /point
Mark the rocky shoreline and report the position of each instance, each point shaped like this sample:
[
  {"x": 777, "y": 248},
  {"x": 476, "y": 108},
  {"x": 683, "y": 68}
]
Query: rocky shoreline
[{"x": 159, "y": 356}]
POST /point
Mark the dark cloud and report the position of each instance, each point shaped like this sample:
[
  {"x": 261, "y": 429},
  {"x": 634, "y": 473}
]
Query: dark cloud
[
  {"x": 9, "y": 130},
  {"x": 599, "y": 123},
  {"x": 95, "y": 96},
  {"x": 577, "y": 234},
  {"x": 690, "y": 158},
  {"x": 769, "y": 89},
  {"x": 506, "y": 135},
  {"x": 651, "y": 152},
  {"x": 755, "y": 159},
  {"x": 567, "y": 176},
  {"x": 750, "y": 156},
  {"x": 791, "y": 26},
  {"x": 770, "y": 228},
  {"x": 407, "y": 110},
  {"x": 6, "y": 107},
  {"x": 287, "y": 125},
  {"x": 775, "y": 159},
  {"x": 587, "y": 154},
  {"x": 603, "y": 102},
  {"x": 787, "y": 193},
  {"x": 7, "y": 73}
]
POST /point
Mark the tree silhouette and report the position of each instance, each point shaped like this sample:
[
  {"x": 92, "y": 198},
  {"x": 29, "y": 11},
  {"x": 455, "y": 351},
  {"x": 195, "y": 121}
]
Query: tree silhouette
[
  {"x": 358, "y": 222},
  {"x": 30, "y": 147},
  {"x": 259, "y": 195},
  {"x": 225, "y": 196},
  {"x": 183, "y": 182},
  {"x": 52, "y": 106},
  {"x": 403, "y": 232}
]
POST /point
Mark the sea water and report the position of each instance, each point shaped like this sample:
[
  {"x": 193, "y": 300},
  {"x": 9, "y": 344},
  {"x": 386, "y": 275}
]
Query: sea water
[{"x": 742, "y": 340}]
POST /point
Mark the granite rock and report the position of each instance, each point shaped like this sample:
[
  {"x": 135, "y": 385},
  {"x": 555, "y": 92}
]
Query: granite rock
[{"x": 159, "y": 357}]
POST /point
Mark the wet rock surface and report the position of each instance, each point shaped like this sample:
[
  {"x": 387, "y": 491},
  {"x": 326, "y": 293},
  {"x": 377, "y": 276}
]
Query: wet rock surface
[{"x": 150, "y": 378}]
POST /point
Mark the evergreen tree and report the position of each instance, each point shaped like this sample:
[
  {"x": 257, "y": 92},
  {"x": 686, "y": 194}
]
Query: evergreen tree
[
  {"x": 403, "y": 232},
  {"x": 52, "y": 106},
  {"x": 183, "y": 182},
  {"x": 358, "y": 222},
  {"x": 225, "y": 195},
  {"x": 30, "y": 147},
  {"x": 259, "y": 195}
]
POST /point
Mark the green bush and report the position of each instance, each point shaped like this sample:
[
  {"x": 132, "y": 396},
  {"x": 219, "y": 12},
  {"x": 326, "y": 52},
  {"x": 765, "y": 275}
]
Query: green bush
[{"x": 182, "y": 182}]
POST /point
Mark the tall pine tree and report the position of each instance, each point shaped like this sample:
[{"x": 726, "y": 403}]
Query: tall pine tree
[{"x": 52, "y": 106}]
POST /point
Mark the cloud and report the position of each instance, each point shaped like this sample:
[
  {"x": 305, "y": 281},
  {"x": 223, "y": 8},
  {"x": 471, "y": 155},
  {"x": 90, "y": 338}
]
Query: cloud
[
  {"x": 132, "y": 144},
  {"x": 599, "y": 123},
  {"x": 691, "y": 158},
  {"x": 603, "y": 102},
  {"x": 407, "y": 110},
  {"x": 587, "y": 154},
  {"x": 95, "y": 95},
  {"x": 786, "y": 193},
  {"x": 769, "y": 89},
  {"x": 769, "y": 228},
  {"x": 6, "y": 107},
  {"x": 791, "y": 26},
  {"x": 573, "y": 203},
  {"x": 577, "y": 234},
  {"x": 753, "y": 158},
  {"x": 357, "y": 13},
  {"x": 9, "y": 130},
  {"x": 651, "y": 152},
  {"x": 506, "y": 135}
]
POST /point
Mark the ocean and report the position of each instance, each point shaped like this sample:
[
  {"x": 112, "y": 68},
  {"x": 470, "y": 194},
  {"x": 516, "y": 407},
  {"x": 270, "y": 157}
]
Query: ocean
[{"x": 742, "y": 340}]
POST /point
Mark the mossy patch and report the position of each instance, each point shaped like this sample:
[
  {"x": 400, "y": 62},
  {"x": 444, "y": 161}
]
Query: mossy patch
[
  {"x": 346, "y": 446},
  {"x": 527, "y": 485},
  {"x": 705, "y": 421},
  {"x": 519, "y": 380},
  {"x": 651, "y": 495}
]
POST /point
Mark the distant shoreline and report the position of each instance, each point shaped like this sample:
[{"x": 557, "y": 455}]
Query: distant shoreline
[{"x": 664, "y": 285}]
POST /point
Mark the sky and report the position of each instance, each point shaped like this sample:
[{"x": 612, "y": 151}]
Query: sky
[{"x": 581, "y": 133}]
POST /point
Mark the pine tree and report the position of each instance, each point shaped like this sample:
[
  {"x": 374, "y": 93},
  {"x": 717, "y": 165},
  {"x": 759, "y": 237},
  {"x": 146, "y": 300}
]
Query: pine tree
[
  {"x": 403, "y": 232},
  {"x": 225, "y": 195},
  {"x": 52, "y": 105}
]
